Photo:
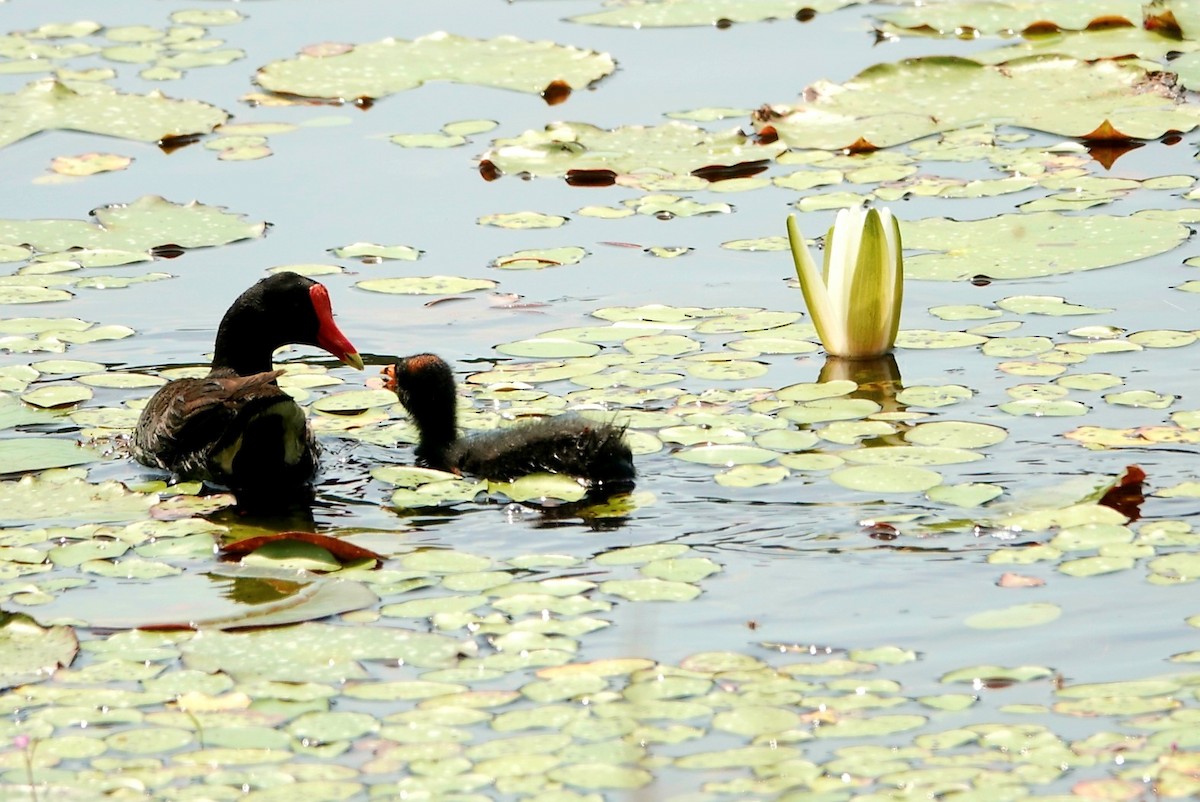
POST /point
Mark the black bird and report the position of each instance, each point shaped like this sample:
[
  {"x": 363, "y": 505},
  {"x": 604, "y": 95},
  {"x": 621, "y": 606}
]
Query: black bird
[
  {"x": 235, "y": 427},
  {"x": 596, "y": 454}
]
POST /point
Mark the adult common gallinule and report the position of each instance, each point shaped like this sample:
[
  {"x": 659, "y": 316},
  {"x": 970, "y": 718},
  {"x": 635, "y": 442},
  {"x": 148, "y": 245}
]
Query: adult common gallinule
[
  {"x": 235, "y": 427},
  {"x": 594, "y": 453}
]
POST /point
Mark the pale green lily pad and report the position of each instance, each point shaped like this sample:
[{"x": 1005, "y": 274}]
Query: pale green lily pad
[
  {"x": 650, "y": 589},
  {"x": 30, "y": 653},
  {"x": 889, "y": 104},
  {"x": 727, "y": 455},
  {"x": 538, "y": 259},
  {"x": 121, "y": 380},
  {"x": 378, "y": 69},
  {"x": 354, "y": 402},
  {"x": 32, "y": 295},
  {"x": 548, "y": 348},
  {"x": 787, "y": 440},
  {"x": 363, "y": 250},
  {"x": 661, "y": 345},
  {"x": 815, "y": 391},
  {"x": 433, "y": 140},
  {"x": 972, "y": 494},
  {"x": 1095, "y": 566},
  {"x": 748, "y": 320},
  {"x": 425, "y": 285},
  {"x": 97, "y": 108},
  {"x": 433, "y": 494},
  {"x": 1017, "y": 616},
  {"x": 148, "y": 222},
  {"x": 1163, "y": 338},
  {"x": 925, "y": 339},
  {"x": 54, "y": 396},
  {"x": 956, "y": 434},
  {"x": 964, "y": 312},
  {"x": 540, "y": 487},
  {"x": 830, "y": 409},
  {"x": 673, "y": 148},
  {"x": 1089, "y": 381},
  {"x": 993, "y": 18},
  {"x": 933, "y": 396},
  {"x": 910, "y": 455},
  {"x": 313, "y": 652},
  {"x": 677, "y": 13},
  {"x": 1038, "y": 407},
  {"x": 752, "y": 475},
  {"x": 1049, "y": 244},
  {"x": 21, "y": 455},
  {"x": 886, "y": 478},
  {"x": 522, "y": 220},
  {"x": 1147, "y": 399},
  {"x": 64, "y": 496}
]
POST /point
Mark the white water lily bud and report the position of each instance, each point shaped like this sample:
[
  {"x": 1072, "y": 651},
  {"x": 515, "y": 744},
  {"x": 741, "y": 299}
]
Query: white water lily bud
[{"x": 855, "y": 301}]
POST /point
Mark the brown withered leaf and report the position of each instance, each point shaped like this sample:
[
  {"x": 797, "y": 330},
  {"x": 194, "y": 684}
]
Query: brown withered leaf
[{"x": 342, "y": 549}]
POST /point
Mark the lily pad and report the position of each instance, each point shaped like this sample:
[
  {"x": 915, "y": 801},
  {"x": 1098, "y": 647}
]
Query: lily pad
[
  {"x": 886, "y": 478},
  {"x": 425, "y": 285},
  {"x": 31, "y": 653},
  {"x": 565, "y": 149},
  {"x": 20, "y": 455},
  {"x": 1015, "y": 617},
  {"x": 679, "y": 13},
  {"x": 146, "y": 223},
  {"x": 889, "y": 104},
  {"x": 1034, "y": 245},
  {"x": 383, "y": 68},
  {"x": 99, "y": 109}
]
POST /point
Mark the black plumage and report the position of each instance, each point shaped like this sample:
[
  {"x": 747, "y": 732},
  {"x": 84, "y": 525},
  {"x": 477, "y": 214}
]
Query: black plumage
[
  {"x": 235, "y": 427},
  {"x": 594, "y": 453}
]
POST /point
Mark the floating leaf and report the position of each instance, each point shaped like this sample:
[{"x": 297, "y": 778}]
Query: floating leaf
[
  {"x": 30, "y": 653},
  {"x": 1033, "y": 245},
  {"x": 974, "y": 494},
  {"x": 20, "y": 455},
  {"x": 673, "y": 13},
  {"x": 378, "y": 69},
  {"x": 577, "y": 149},
  {"x": 537, "y": 259},
  {"x": 148, "y": 222},
  {"x": 425, "y": 285},
  {"x": 89, "y": 164},
  {"x": 360, "y": 250},
  {"x": 886, "y": 478},
  {"x": 1017, "y": 616},
  {"x": 99, "y": 109},
  {"x": 889, "y": 104}
]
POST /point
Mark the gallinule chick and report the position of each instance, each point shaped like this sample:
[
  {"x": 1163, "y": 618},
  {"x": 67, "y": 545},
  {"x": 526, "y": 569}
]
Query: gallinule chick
[
  {"x": 235, "y": 427},
  {"x": 594, "y": 453}
]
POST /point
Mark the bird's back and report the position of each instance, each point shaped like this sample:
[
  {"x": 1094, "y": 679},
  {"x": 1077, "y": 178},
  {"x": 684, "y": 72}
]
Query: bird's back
[
  {"x": 242, "y": 432},
  {"x": 568, "y": 444}
]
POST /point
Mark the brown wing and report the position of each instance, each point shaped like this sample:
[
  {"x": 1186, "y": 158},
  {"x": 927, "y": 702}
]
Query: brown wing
[{"x": 186, "y": 419}]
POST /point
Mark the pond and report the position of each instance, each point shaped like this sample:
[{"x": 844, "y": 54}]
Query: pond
[{"x": 963, "y": 571}]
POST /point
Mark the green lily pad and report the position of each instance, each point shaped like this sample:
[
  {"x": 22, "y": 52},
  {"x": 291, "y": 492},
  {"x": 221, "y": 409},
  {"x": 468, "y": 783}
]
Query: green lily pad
[
  {"x": 148, "y": 222},
  {"x": 20, "y": 455},
  {"x": 956, "y": 434},
  {"x": 30, "y": 653},
  {"x": 97, "y": 108},
  {"x": 679, "y": 13},
  {"x": 673, "y": 148},
  {"x": 361, "y": 250},
  {"x": 425, "y": 285},
  {"x": 1017, "y": 616},
  {"x": 54, "y": 396},
  {"x": 1033, "y": 245},
  {"x": 933, "y": 396},
  {"x": 973, "y": 494},
  {"x": 537, "y": 259},
  {"x": 522, "y": 220},
  {"x": 889, "y": 104},
  {"x": 378, "y": 69},
  {"x": 752, "y": 475},
  {"x": 727, "y": 455},
  {"x": 886, "y": 478},
  {"x": 313, "y": 652},
  {"x": 910, "y": 455}
]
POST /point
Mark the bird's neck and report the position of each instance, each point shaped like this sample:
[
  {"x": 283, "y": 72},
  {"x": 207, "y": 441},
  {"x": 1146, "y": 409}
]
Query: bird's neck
[
  {"x": 245, "y": 344},
  {"x": 437, "y": 425}
]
